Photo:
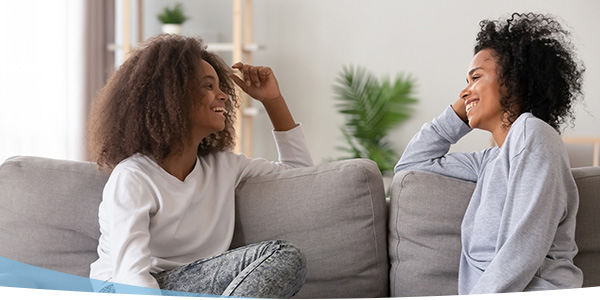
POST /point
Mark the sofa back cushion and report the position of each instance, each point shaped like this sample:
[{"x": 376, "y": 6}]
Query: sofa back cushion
[
  {"x": 335, "y": 213},
  {"x": 49, "y": 213},
  {"x": 426, "y": 211}
]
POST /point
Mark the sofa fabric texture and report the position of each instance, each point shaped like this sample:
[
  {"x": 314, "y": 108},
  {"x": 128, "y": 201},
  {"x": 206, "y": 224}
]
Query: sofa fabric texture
[
  {"x": 49, "y": 213},
  {"x": 587, "y": 232},
  {"x": 335, "y": 213},
  {"x": 426, "y": 211}
]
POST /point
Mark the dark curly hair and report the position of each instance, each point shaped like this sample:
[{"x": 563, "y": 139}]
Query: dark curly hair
[
  {"x": 538, "y": 70},
  {"x": 145, "y": 106}
]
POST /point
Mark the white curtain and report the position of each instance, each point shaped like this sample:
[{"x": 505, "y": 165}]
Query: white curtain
[{"x": 46, "y": 76}]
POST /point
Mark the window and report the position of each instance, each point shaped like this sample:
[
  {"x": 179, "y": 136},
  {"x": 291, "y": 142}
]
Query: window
[{"x": 41, "y": 79}]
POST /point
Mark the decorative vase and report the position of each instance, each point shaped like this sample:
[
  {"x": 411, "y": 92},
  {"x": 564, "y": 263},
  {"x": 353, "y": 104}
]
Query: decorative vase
[{"x": 171, "y": 28}]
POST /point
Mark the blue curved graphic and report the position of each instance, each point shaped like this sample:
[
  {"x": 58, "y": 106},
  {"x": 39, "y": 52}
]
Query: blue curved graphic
[{"x": 21, "y": 275}]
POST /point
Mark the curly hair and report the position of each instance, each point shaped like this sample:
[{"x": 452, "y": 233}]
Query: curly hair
[
  {"x": 146, "y": 105},
  {"x": 538, "y": 69}
]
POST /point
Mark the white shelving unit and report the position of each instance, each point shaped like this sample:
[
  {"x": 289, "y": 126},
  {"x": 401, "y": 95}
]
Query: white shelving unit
[
  {"x": 593, "y": 141},
  {"x": 228, "y": 47},
  {"x": 243, "y": 47}
]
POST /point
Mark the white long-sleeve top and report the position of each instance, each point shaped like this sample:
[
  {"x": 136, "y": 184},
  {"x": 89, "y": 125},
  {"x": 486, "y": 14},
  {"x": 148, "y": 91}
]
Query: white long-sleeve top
[
  {"x": 518, "y": 232},
  {"x": 150, "y": 221}
]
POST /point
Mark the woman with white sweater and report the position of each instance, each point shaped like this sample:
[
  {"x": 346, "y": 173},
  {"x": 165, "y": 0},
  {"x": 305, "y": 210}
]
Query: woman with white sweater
[{"x": 164, "y": 126}]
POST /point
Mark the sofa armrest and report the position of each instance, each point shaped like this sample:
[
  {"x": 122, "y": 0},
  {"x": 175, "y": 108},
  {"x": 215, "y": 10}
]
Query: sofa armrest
[
  {"x": 335, "y": 213},
  {"x": 426, "y": 211}
]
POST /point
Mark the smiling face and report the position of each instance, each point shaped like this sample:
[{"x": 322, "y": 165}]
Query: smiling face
[
  {"x": 208, "y": 109},
  {"x": 482, "y": 94}
]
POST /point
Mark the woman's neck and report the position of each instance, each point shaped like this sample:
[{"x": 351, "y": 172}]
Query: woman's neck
[
  {"x": 499, "y": 134},
  {"x": 500, "y": 131},
  {"x": 181, "y": 164}
]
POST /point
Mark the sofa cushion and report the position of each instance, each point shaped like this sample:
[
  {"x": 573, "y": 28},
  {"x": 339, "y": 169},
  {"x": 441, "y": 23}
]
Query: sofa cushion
[
  {"x": 587, "y": 232},
  {"x": 426, "y": 211},
  {"x": 49, "y": 213},
  {"x": 335, "y": 213}
]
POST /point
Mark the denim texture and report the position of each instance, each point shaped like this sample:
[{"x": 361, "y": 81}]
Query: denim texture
[
  {"x": 109, "y": 289},
  {"x": 271, "y": 269}
]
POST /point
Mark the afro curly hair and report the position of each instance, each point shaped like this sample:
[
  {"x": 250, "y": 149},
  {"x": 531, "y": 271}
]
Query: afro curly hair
[
  {"x": 538, "y": 69},
  {"x": 146, "y": 105}
]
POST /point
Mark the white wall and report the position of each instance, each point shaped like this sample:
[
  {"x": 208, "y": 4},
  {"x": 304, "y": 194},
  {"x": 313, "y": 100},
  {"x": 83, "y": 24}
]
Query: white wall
[{"x": 308, "y": 41}]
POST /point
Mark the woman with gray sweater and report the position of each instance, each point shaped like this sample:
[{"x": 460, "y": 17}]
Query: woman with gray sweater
[{"x": 518, "y": 232}]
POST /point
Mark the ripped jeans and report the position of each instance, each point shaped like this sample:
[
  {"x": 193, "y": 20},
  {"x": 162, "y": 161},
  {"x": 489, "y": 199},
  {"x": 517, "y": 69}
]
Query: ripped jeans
[{"x": 271, "y": 269}]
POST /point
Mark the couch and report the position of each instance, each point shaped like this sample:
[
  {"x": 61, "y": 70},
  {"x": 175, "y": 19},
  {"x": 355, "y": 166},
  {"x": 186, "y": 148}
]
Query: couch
[
  {"x": 357, "y": 244},
  {"x": 424, "y": 230},
  {"x": 334, "y": 212}
]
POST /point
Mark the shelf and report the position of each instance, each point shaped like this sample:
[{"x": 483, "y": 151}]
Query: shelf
[
  {"x": 595, "y": 141},
  {"x": 250, "y": 111},
  {"x": 215, "y": 47},
  {"x": 230, "y": 46}
]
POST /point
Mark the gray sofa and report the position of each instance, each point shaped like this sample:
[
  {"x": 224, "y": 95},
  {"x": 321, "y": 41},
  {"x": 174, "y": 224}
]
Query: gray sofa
[
  {"x": 424, "y": 230},
  {"x": 335, "y": 212}
]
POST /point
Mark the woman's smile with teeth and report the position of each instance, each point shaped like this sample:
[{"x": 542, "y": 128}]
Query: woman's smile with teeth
[
  {"x": 220, "y": 109},
  {"x": 470, "y": 105}
]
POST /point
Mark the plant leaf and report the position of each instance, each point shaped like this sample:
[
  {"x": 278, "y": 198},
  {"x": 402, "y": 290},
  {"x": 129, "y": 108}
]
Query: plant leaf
[{"x": 371, "y": 109}]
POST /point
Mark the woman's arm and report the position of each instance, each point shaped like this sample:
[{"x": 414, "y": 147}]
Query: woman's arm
[
  {"x": 428, "y": 149},
  {"x": 125, "y": 220},
  {"x": 536, "y": 232},
  {"x": 460, "y": 109},
  {"x": 260, "y": 83},
  {"x": 534, "y": 208}
]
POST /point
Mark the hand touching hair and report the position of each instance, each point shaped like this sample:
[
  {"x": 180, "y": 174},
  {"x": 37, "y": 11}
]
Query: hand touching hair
[{"x": 146, "y": 105}]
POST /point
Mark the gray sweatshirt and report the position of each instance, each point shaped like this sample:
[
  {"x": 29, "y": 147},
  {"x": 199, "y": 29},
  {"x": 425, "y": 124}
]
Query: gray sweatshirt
[{"x": 518, "y": 232}]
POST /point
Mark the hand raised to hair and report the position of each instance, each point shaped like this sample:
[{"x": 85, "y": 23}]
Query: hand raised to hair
[
  {"x": 460, "y": 109},
  {"x": 259, "y": 82}
]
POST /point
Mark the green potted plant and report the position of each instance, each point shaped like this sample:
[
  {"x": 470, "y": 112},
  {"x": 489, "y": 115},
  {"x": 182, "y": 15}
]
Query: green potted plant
[
  {"x": 172, "y": 18},
  {"x": 372, "y": 108}
]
